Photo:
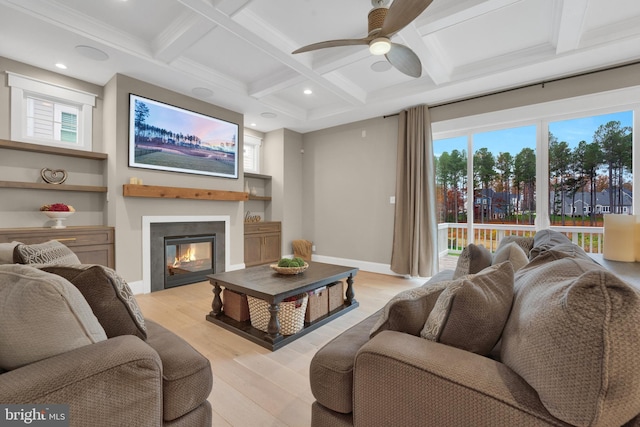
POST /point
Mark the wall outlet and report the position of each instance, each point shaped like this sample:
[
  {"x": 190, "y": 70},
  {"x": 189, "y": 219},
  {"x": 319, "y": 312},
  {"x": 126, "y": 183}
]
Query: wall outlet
[
  {"x": 392, "y": 200},
  {"x": 313, "y": 248}
]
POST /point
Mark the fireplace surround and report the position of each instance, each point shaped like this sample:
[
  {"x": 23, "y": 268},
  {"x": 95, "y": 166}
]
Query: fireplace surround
[{"x": 156, "y": 228}]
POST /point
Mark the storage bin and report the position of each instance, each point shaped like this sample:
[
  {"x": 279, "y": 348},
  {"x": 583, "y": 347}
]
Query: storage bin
[
  {"x": 336, "y": 295},
  {"x": 318, "y": 304},
  {"x": 235, "y": 305},
  {"x": 290, "y": 316}
]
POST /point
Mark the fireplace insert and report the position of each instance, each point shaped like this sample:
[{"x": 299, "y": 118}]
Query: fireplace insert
[{"x": 188, "y": 259}]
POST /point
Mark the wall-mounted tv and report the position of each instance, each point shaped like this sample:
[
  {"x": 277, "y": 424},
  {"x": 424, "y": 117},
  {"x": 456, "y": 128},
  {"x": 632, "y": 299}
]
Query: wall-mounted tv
[{"x": 168, "y": 138}]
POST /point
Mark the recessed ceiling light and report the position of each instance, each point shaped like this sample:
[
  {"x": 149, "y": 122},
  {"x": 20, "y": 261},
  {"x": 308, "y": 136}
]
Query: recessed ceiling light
[
  {"x": 308, "y": 91},
  {"x": 61, "y": 66},
  {"x": 92, "y": 53},
  {"x": 202, "y": 92},
  {"x": 269, "y": 115},
  {"x": 253, "y": 125},
  {"x": 380, "y": 66}
]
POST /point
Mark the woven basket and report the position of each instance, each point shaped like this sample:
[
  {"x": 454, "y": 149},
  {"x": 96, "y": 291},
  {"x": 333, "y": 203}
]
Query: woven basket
[
  {"x": 290, "y": 316},
  {"x": 289, "y": 270}
]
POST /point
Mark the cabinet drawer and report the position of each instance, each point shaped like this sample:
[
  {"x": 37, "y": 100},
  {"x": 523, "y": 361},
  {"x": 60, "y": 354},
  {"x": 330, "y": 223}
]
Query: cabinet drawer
[
  {"x": 262, "y": 227},
  {"x": 70, "y": 237}
]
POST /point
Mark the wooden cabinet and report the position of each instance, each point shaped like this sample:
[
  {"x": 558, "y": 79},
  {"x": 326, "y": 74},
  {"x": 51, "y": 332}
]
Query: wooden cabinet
[
  {"x": 92, "y": 244},
  {"x": 262, "y": 242}
]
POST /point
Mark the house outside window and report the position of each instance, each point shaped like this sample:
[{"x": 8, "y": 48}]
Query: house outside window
[{"x": 48, "y": 114}]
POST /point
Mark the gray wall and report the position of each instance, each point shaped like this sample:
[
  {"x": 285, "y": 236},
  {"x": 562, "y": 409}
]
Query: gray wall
[{"x": 348, "y": 179}]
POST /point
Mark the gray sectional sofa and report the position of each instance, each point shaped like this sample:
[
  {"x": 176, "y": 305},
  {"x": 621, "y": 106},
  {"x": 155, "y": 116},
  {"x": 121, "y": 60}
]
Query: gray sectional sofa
[{"x": 564, "y": 351}]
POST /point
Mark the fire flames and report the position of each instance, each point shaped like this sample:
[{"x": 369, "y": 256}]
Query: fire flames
[{"x": 188, "y": 256}]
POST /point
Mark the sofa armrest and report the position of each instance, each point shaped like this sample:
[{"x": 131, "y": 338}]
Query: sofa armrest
[
  {"x": 113, "y": 382},
  {"x": 400, "y": 379}
]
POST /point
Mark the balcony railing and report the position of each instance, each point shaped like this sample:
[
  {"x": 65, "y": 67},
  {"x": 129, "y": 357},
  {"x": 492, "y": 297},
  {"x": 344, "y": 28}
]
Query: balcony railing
[{"x": 453, "y": 237}]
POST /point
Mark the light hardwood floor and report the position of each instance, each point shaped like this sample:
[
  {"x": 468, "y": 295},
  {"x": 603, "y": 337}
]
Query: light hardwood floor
[{"x": 253, "y": 386}]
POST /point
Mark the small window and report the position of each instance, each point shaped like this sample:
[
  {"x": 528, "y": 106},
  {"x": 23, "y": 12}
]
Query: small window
[
  {"x": 48, "y": 114},
  {"x": 251, "y": 153}
]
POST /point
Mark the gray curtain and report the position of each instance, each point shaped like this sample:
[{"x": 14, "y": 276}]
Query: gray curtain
[{"x": 415, "y": 231}]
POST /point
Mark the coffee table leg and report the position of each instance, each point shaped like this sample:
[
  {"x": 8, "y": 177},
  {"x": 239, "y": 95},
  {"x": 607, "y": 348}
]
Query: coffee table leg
[
  {"x": 216, "y": 305},
  {"x": 273, "y": 328},
  {"x": 350, "y": 294}
]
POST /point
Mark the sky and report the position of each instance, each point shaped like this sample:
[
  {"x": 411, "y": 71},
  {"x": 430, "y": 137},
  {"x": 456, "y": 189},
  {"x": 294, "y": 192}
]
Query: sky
[
  {"x": 177, "y": 120},
  {"x": 513, "y": 140}
]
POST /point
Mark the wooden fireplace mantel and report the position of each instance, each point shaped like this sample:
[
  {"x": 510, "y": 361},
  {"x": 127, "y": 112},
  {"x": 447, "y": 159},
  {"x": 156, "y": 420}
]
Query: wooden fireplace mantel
[{"x": 159, "y": 192}]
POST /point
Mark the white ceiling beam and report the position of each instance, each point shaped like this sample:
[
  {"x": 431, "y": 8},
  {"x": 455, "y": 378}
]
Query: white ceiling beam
[
  {"x": 570, "y": 24},
  {"x": 441, "y": 15},
  {"x": 180, "y": 35},
  {"x": 280, "y": 52}
]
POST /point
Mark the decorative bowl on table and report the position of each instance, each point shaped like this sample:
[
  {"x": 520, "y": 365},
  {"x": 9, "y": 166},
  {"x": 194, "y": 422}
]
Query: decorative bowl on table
[{"x": 289, "y": 270}]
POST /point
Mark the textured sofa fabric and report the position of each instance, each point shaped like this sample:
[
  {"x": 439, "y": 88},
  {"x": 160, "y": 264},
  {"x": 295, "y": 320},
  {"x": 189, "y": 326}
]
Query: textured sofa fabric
[
  {"x": 473, "y": 259},
  {"x": 109, "y": 296},
  {"x": 41, "y": 315},
  {"x": 51, "y": 252},
  {"x": 121, "y": 381},
  {"x": 569, "y": 358}
]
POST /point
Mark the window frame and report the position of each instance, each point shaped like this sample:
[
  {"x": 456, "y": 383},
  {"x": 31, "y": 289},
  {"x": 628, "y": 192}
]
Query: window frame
[
  {"x": 256, "y": 144},
  {"x": 541, "y": 115},
  {"x": 23, "y": 87}
]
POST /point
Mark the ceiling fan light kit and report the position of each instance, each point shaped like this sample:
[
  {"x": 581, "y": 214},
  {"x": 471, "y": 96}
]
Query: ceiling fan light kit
[
  {"x": 380, "y": 46},
  {"x": 383, "y": 23}
]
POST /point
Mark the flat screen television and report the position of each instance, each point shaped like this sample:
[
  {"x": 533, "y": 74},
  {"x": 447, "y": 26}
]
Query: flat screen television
[{"x": 167, "y": 138}]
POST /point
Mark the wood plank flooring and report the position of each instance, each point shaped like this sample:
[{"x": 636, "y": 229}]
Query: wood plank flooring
[{"x": 253, "y": 386}]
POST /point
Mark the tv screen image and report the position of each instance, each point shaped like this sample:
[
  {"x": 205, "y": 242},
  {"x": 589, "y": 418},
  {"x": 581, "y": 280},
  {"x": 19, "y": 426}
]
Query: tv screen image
[{"x": 168, "y": 138}]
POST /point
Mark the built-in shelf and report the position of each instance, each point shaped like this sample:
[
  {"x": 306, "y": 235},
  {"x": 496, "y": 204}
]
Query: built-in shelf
[
  {"x": 58, "y": 187},
  {"x": 256, "y": 175},
  {"x": 261, "y": 198},
  {"x": 158, "y": 192},
  {"x": 44, "y": 149}
]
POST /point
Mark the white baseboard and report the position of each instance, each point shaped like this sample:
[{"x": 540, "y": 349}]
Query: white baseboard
[{"x": 372, "y": 267}]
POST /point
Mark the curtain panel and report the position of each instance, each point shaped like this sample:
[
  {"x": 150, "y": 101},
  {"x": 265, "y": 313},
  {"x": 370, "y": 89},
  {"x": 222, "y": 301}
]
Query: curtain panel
[{"x": 415, "y": 233}]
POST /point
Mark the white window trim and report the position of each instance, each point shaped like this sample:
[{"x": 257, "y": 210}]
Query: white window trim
[
  {"x": 256, "y": 142},
  {"x": 541, "y": 115},
  {"x": 24, "y": 85}
]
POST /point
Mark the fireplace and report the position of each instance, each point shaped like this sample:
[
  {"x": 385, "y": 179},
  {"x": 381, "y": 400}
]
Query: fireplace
[
  {"x": 160, "y": 230},
  {"x": 188, "y": 259}
]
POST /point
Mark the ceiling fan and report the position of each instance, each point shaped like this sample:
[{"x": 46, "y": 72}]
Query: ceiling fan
[{"x": 384, "y": 22}]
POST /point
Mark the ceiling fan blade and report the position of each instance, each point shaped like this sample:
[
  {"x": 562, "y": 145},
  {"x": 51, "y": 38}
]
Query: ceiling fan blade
[
  {"x": 402, "y": 13},
  {"x": 405, "y": 60},
  {"x": 333, "y": 43}
]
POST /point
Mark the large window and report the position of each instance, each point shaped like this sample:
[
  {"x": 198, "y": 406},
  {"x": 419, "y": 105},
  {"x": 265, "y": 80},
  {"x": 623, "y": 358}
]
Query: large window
[
  {"x": 590, "y": 168},
  {"x": 550, "y": 164}
]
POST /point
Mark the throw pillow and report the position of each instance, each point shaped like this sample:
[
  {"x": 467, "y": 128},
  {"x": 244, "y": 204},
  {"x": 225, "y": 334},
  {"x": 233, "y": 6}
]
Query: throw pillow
[
  {"x": 109, "y": 296},
  {"x": 471, "y": 313},
  {"x": 473, "y": 259},
  {"x": 41, "y": 315},
  {"x": 407, "y": 311},
  {"x": 573, "y": 335},
  {"x": 6, "y": 252},
  {"x": 51, "y": 252},
  {"x": 526, "y": 243},
  {"x": 513, "y": 253}
]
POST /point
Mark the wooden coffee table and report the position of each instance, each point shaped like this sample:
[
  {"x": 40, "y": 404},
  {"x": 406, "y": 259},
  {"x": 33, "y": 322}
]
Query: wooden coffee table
[{"x": 264, "y": 283}]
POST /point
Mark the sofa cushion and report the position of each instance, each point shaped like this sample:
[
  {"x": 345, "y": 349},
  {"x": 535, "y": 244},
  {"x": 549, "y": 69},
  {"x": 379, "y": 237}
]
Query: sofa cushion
[
  {"x": 473, "y": 259},
  {"x": 545, "y": 240},
  {"x": 471, "y": 312},
  {"x": 331, "y": 370},
  {"x": 526, "y": 243},
  {"x": 407, "y": 311},
  {"x": 109, "y": 296},
  {"x": 51, "y": 252},
  {"x": 572, "y": 335},
  {"x": 186, "y": 374},
  {"x": 41, "y": 315},
  {"x": 513, "y": 253},
  {"x": 6, "y": 252}
]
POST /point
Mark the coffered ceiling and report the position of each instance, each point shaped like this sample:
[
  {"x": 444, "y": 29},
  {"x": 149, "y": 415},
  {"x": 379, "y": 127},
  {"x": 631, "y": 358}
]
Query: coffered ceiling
[{"x": 237, "y": 53}]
